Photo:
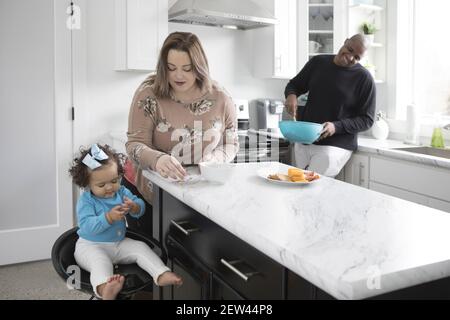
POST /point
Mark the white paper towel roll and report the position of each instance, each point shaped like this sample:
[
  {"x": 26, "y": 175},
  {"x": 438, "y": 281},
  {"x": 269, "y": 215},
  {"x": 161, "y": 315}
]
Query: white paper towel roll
[{"x": 412, "y": 124}]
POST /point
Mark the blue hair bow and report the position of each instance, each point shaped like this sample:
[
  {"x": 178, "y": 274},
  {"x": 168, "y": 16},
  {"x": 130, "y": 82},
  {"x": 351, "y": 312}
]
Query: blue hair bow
[{"x": 90, "y": 160}]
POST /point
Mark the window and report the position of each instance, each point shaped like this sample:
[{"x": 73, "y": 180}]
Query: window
[{"x": 423, "y": 75}]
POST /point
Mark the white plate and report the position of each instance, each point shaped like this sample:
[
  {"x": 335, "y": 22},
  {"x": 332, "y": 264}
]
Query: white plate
[{"x": 266, "y": 172}]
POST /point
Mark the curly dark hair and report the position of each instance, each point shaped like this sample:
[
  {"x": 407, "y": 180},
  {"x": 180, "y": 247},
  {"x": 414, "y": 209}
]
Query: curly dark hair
[{"x": 81, "y": 173}]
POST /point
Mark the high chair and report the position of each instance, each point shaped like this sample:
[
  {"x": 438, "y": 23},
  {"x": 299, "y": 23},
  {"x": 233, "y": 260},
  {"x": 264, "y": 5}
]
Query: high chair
[{"x": 136, "y": 279}]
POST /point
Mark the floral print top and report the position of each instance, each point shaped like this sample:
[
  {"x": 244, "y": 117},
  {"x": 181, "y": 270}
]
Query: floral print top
[{"x": 203, "y": 129}]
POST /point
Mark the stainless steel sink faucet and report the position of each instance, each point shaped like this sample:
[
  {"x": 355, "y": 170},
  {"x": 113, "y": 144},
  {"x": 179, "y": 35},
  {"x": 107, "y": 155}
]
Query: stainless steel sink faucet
[{"x": 446, "y": 127}]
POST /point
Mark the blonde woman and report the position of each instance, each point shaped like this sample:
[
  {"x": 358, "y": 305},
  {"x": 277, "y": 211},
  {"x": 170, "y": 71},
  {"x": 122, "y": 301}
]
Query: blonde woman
[{"x": 179, "y": 116}]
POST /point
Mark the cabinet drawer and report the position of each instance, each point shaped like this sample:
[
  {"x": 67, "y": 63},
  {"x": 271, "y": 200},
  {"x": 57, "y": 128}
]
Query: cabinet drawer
[
  {"x": 434, "y": 182},
  {"x": 399, "y": 193},
  {"x": 248, "y": 271}
]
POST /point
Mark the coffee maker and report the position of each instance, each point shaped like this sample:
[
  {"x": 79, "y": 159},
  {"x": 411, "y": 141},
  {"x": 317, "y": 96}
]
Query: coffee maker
[{"x": 266, "y": 114}]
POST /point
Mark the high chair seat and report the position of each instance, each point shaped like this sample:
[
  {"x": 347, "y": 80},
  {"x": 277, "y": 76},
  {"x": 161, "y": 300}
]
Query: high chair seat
[{"x": 136, "y": 278}]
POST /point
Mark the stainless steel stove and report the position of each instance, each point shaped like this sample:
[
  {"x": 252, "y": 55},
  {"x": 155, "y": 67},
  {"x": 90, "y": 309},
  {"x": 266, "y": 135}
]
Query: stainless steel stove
[{"x": 261, "y": 145}]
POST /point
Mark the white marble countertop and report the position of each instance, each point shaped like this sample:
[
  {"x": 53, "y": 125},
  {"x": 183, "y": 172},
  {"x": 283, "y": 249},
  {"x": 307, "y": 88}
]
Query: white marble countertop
[
  {"x": 365, "y": 144},
  {"x": 387, "y": 148},
  {"x": 351, "y": 242}
]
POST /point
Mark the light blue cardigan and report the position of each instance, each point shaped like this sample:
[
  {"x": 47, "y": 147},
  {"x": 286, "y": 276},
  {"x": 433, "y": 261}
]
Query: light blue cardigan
[{"x": 91, "y": 214}]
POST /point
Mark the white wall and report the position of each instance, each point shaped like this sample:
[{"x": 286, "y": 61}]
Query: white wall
[
  {"x": 230, "y": 56},
  {"x": 103, "y": 95}
]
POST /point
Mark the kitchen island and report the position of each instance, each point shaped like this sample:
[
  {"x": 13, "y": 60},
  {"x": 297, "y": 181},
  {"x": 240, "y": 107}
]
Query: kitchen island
[{"x": 328, "y": 239}]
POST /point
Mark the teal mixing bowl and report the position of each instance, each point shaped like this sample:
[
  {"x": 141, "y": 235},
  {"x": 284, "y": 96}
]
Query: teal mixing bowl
[{"x": 300, "y": 131}]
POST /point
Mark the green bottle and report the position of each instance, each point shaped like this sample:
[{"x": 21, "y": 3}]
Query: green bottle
[{"x": 437, "y": 140}]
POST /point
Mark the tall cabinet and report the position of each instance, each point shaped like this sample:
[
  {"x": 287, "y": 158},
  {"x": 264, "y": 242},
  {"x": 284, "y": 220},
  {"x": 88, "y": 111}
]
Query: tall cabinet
[{"x": 275, "y": 46}]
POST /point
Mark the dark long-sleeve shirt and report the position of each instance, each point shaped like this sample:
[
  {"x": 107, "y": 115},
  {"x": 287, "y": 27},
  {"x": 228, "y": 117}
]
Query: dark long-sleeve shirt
[{"x": 344, "y": 96}]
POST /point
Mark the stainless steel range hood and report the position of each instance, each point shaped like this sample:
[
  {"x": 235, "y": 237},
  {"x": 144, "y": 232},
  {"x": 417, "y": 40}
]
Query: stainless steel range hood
[{"x": 236, "y": 14}]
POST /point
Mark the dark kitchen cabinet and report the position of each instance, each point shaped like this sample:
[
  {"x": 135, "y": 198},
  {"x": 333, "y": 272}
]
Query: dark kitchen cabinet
[
  {"x": 223, "y": 291},
  {"x": 298, "y": 288},
  {"x": 196, "y": 278},
  {"x": 205, "y": 251}
]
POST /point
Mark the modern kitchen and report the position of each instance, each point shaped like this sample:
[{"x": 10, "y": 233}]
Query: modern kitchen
[{"x": 378, "y": 230}]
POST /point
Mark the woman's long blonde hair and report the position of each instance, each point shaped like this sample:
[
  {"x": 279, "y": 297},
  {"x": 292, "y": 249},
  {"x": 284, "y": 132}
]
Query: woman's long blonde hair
[{"x": 186, "y": 42}]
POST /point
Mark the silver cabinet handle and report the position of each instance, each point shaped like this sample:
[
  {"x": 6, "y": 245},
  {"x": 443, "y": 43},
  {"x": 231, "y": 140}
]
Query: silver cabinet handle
[
  {"x": 185, "y": 231},
  {"x": 230, "y": 265},
  {"x": 361, "y": 168}
]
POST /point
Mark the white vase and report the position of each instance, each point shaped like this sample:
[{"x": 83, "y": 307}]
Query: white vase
[
  {"x": 370, "y": 38},
  {"x": 380, "y": 129}
]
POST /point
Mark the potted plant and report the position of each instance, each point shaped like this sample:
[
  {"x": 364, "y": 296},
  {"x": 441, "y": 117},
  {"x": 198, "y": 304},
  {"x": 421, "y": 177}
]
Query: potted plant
[{"x": 369, "y": 30}]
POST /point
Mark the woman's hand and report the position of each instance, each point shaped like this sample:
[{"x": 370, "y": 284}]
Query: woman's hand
[
  {"x": 169, "y": 167},
  {"x": 291, "y": 105}
]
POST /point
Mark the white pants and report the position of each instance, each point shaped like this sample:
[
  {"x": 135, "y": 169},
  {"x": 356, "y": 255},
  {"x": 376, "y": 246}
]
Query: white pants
[
  {"x": 325, "y": 160},
  {"x": 99, "y": 257}
]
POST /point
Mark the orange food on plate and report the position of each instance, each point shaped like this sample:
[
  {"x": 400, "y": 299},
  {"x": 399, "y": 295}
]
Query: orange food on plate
[
  {"x": 298, "y": 179},
  {"x": 295, "y": 172},
  {"x": 295, "y": 175}
]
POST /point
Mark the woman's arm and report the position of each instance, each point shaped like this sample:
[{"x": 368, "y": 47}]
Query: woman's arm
[
  {"x": 228, "y": 145},
  {"x": 141, "y": 122}
]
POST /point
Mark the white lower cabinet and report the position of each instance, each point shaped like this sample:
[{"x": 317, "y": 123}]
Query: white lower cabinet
[
  {"x": 399, "y": 193},
  {"x": 419, "y": 183},
  {"x": 356, "y": 170},
  {"x": 411, "y": 176}
]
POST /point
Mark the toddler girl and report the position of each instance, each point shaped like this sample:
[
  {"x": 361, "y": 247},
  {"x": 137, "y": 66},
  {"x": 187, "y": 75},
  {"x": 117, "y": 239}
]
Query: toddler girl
[{"x": 101, "y": 212}]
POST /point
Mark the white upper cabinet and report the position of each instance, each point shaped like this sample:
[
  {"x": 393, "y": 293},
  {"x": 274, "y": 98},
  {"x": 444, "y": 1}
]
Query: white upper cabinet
[
  {"x": 322, "y": 26},
  {"x": 276, "y": 46},
  {"x": 141, "y": 28}
]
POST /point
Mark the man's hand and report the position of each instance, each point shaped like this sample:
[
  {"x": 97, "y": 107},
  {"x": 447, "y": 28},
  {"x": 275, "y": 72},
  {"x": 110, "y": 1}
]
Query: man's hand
[
  {"x": 168, "y": 166},
  {"x": 291, "y": 105},
  {"x": 116, "y": 214},
  {"x": 328, "y": 130}
]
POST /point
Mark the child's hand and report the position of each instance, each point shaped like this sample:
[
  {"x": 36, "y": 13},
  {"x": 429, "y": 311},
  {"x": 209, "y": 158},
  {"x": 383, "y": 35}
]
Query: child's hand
[
  {"x": 129, "y": 205},
  {"x": 116, "y": 214}
]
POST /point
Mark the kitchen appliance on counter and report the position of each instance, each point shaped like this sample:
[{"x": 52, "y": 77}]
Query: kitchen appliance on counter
[{"x": 265, "y": 113}]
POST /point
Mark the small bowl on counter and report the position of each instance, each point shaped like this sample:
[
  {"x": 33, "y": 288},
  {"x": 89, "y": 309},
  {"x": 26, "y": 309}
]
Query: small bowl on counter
[
  {"x": 216, "y": 172},
  {"x": 301, "y": 131}
]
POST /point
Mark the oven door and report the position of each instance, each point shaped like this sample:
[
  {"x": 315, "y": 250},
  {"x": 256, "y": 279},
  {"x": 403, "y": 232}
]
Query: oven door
[{"x": 252, "y": 155}]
